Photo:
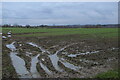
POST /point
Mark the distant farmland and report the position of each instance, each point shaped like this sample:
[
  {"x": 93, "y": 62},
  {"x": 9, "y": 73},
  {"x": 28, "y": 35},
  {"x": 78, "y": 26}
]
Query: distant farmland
[{"x": 98, "y": 32}]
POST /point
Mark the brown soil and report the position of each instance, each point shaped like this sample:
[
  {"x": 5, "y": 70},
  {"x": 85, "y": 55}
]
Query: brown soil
[{"x": 106, "y": 58}]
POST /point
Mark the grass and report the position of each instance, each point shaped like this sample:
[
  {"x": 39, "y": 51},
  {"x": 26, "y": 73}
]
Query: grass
[
  {"x": 108, "y": 74},
  {"x": 97, "y": 32}
]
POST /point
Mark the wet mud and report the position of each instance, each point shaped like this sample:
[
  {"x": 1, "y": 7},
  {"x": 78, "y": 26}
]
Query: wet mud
[{"x": 61, "y": 56}]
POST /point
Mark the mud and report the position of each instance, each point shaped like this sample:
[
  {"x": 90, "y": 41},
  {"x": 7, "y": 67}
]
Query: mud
[{"x": 62, "y": 56}]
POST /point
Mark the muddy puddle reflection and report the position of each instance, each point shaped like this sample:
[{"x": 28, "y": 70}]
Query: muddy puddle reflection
[
  {"x": 75, "y": 55},
  {"x": 33, "y": 69},
  {"x": 18, "y": 63},
  {"x": 69, "y": 65}
]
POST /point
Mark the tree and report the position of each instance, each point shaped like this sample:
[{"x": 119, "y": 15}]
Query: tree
[{"x": 27, "y": 26}]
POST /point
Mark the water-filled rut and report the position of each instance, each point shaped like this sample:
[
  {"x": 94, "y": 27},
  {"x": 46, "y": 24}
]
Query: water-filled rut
[{"x": 20, "y": 64}]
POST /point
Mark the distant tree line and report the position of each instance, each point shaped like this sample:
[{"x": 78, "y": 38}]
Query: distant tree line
[{"x": 61, "y": 26}]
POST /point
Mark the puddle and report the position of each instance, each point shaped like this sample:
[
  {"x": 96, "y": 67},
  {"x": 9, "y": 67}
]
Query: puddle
[
  {"x": 70, "y": 66},
  {"x": 75, "y": 55},
  {"x": 19, "y": 65},
  {"x": 4, "y": 37},
  {"x": 32, "y": 44},
  {"x": 45, "y": 69},
  {"x": 9, "y": 35},
  {"x": 35, "y": 45},
  {"x": 89, "y": 52},
  {"x": 11, "y": 46},
  {"x": 54, "y": 59},
  {"x": 114, "y": 48},
  {"x": 33, "y": 70},
  {"x": 28, "y": 54}
]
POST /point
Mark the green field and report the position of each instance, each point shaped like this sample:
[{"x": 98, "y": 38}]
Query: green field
[
  {"x": 95, "y": 32},
  {"x": 108, "y": 74}
]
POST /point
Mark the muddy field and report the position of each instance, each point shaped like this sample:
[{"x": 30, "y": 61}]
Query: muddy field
[{"x": 58, "y": 56}]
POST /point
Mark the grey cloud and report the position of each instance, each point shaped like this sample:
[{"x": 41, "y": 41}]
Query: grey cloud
[{"x": 60, "y": 13}]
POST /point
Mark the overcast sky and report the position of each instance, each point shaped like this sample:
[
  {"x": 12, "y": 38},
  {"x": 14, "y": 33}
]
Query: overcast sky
[{"x": 35, "y": 13}]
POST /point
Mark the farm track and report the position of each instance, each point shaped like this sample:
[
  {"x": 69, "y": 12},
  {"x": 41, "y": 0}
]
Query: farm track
[{"x": 50, "y": 57}]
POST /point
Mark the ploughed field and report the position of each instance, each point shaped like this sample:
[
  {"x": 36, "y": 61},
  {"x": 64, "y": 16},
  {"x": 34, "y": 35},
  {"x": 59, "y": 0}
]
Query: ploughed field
[{"x": 53, "y": 53}]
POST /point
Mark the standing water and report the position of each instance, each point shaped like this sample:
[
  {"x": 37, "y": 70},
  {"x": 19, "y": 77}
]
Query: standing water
[
  {"x": 33, "y": 69},
  {"x": 18, "y": 63}
]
